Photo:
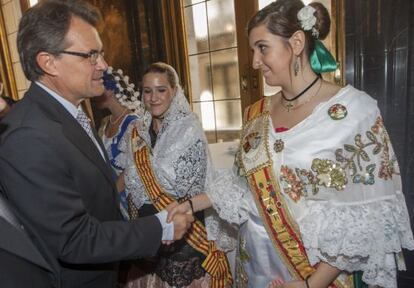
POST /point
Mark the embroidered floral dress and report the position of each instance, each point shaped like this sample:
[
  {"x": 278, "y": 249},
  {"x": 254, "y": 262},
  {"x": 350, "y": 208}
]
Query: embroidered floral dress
[
  {"x": 180, "y": 162},
  {"x": 339, "y": 176}
]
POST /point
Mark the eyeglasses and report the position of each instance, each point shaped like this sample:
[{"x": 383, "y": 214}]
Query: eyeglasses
[{"x": 93, "y": 55}]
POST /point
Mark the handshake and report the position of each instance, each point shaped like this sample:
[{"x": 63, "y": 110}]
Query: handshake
[{"x": 181, "y": 215}]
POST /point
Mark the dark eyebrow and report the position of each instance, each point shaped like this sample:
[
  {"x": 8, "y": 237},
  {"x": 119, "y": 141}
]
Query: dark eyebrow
[
  {"x": 259, "y": 42},
  {"x": 157, "y": 87}
]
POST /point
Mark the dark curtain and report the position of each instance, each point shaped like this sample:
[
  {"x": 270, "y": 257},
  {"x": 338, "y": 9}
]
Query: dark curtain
[{"x": 380, "y": 60}]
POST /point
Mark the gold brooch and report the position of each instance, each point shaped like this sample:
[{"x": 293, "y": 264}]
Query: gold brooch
[{"x": 278, "y": 145}]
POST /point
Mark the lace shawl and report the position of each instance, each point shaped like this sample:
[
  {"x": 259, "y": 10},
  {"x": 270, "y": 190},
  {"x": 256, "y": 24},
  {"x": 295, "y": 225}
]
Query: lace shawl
[{"x": 180, "y": 159}]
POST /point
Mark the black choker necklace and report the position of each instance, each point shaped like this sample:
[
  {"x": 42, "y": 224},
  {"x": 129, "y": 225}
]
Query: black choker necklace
[{"x": 301, "y": 93}]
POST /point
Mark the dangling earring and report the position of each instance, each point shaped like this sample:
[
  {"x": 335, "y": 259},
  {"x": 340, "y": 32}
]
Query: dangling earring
[{"x": 296, "y": 66}]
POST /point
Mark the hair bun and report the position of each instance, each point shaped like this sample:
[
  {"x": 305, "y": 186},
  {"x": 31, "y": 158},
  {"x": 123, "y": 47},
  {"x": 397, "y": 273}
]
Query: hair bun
[{"x": 323, "y": 20}]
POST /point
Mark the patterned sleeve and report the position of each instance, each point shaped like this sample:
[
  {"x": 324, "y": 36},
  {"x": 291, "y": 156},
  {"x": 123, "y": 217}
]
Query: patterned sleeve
[
  {"x": 227, "y": 191},
  {"x": 190, "y": 169}
]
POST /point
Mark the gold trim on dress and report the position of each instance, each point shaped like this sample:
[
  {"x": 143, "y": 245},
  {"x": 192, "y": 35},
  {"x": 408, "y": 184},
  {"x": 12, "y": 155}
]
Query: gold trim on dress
[{"x": 280, "y": 226}]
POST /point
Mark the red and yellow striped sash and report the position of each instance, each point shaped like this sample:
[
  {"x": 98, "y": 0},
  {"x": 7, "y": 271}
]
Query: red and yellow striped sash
[{"x": 280, "y": 226}]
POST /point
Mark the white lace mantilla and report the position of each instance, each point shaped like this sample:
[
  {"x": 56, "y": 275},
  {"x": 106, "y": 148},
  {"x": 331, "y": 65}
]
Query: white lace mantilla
[{"x": 182, "y": 166}]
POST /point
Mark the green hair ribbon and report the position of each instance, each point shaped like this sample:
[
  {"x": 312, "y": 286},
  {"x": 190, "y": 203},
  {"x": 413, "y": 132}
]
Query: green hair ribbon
[{"x": 321, "y": 59}]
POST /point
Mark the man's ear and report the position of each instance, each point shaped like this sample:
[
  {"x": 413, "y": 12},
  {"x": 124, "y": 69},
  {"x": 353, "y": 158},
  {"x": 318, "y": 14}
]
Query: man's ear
[
  {"x": 46, "y": 62},
  {"x": 297, "y": 42}
]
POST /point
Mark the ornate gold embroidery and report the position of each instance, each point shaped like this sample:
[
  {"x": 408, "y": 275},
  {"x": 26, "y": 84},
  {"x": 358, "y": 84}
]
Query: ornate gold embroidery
[
  {"x": 379, "y": 139},
  {"x": 357, "y": 155},
  {"x": 388, "y": 166},
  {"x": 353, "y": 158},
  {"x": 324, "y": 173},
  {"x": 329, "y": 174}
]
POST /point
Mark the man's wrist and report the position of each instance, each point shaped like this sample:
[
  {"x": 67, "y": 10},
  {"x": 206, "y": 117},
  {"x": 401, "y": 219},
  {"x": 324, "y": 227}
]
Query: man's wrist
[{"x": 167, "y": 228}]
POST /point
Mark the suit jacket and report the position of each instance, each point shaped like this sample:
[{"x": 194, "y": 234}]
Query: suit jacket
[
  {"x": 58, "y": 181},
  {"x": 22, "y": 263}
]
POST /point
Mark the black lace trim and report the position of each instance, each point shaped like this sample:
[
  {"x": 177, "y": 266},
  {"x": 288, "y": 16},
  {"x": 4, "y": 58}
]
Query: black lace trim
[{"x": 178, "y": 264}]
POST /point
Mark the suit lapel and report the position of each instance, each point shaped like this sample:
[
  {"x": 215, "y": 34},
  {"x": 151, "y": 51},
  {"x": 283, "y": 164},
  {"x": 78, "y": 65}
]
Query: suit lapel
[
  {"x": 101, "y": 145},
  {"x": 71, "y": 129},
  {"x": 75, "y": 134}
]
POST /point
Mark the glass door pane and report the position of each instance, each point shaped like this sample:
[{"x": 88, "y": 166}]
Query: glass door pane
[{"x": 214, "y": 67}]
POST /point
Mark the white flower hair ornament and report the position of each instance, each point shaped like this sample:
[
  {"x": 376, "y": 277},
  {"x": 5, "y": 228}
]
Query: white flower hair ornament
[
  {"x": 124, "y": 91},
  {"x": 307, "y": 20},
  {"x": 321, "y": 59}
]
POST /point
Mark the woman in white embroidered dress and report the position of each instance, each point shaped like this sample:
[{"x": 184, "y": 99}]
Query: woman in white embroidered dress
[
  {"x": 121, "y": 99},
  {"x": 179, "y": 160},
  {"x": 316, "y": 156}
]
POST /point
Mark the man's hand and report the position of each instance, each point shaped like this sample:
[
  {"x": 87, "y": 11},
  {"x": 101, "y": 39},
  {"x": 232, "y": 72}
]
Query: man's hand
[{"x": 182, "y": 222}]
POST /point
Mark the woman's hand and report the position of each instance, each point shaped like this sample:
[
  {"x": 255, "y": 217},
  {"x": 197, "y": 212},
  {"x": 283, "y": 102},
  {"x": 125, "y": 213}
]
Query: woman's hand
[
  {"x": 276, "y": 283},
  {"x": 200, "y": 202},
  {"x": 183, "y": 208}
]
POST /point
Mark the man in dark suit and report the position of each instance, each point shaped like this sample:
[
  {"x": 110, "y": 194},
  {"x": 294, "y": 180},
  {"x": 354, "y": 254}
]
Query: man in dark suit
[
  {"x": 54, "y": 169},
  {"x": 22, "y": 263}
]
